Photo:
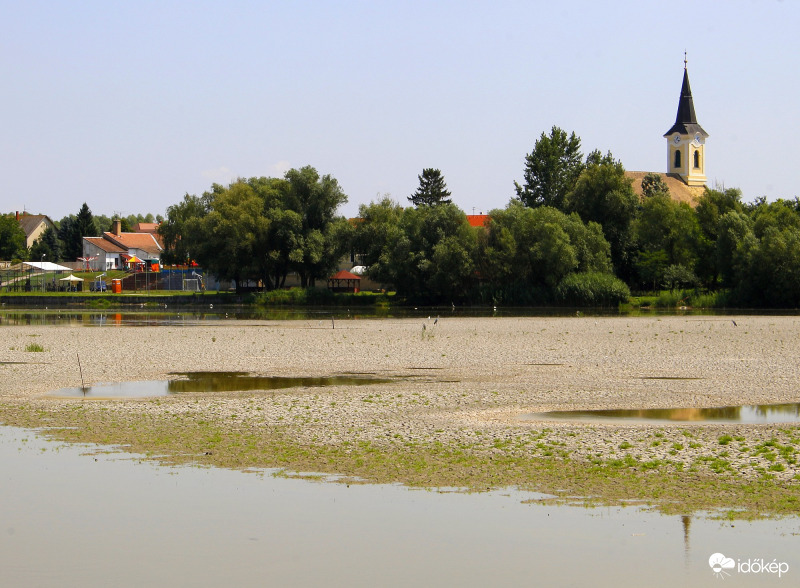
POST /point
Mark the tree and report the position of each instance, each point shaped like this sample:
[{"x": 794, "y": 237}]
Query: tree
[
  {"x": 603, "y": 194},
  {"x": 669, "y": 226},
  {"x": 177, "y": 232},
  {"x": 48, "y": 245},
  {"x": 540, "y": 246},
  {"x": 551, "y": 170},
  {"x": 73, "y": 231},
  {"x": 261, "y": 228},
  {"x": 432, "y": 255},
  {"x": 377, "y": 227},
  {"x": 315, "y": 198},
  {"x": 12, "y": 238},
  {"x": 735, "y": 238},
  {"x": 652, "y": 184},
  {"x": 711, "y": 206},
  {"x": 432, "y": 189}
]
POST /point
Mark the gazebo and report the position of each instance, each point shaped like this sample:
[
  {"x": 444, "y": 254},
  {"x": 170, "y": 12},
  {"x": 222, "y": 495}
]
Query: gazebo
[{"x": 344, "y": 281}]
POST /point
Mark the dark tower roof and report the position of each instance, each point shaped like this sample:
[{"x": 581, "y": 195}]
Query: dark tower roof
[{"x": 686, "y": 120}]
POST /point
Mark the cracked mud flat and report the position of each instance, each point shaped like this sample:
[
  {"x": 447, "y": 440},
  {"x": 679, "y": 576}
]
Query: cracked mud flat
[{"x": 451, "y": 415}]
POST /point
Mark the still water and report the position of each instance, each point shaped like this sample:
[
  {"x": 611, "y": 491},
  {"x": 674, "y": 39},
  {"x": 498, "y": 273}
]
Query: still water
[
  {"x": 70, "y": 516},
  {"x": 749, "y": 414},
  {"x": 213, "y": 382}
]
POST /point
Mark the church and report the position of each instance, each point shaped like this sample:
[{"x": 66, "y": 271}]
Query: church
[{"x": 686, "y": 162}]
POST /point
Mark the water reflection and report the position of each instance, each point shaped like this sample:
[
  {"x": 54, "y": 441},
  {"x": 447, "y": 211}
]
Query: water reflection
[
  {"x": 213, "y": 382},
  {"x": 170, "y": 314},
  {"x": 750, "y": 414},
  {"x": 72, "y": 519}
]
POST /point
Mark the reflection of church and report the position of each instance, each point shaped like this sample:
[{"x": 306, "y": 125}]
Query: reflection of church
[{"x": 686, "y": 142}]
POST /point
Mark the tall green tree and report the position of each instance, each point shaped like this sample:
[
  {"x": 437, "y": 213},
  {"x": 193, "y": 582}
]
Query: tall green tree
[
  {"x": 261, "y": 228},
  {"x": 48, "y": 244},
  {"x": 316, "y": 199},
  {"x": 12, "y": 239},
  {"x": 539, "y": 247},
  {"x": 177, "y": 231},
  {"x": 551, "y": 170},
  {"x": 664, "y": 225},
  {"x": 73, "y": 231},
  {"x": 432, "y": 257},
  {"x": 377, "y": 228},
  {"x": 432, "y": 189},
  {"x": 604, "y": 195},
  {"x": 711, "y": 206}
]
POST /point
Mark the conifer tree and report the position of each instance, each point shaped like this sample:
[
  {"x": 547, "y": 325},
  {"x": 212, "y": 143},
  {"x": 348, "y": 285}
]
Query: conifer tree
[{"x": 432, "y": 190}]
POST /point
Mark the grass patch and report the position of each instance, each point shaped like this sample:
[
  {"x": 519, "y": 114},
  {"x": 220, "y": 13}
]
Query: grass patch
[
  {"x": 488, "y": 463},
  {"x": 34, "y": 348}
]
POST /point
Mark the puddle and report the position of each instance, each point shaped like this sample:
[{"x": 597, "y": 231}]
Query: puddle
[
  {"x": 211, "y": 382},
  {"x": 747, "y": 414}
]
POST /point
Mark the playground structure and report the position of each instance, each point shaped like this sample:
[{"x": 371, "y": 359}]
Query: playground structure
[{"x": 50, "y": 277}]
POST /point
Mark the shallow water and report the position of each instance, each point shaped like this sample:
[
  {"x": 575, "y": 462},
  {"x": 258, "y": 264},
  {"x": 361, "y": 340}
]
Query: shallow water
[
  {"x": 212, "y": 382},
  {"x": 748, "y": 414},
  {"x": 156, "y": 314},
  {"x": 72, "y": 517}
]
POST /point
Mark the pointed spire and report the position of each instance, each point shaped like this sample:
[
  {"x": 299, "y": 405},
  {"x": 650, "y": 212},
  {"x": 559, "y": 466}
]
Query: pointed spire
[{"x": 686, "y": 119}]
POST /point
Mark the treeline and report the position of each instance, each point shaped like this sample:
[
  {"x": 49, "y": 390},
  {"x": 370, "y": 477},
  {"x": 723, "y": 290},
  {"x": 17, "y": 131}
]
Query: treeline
[
  {"x": 64, "y": 242},
  {"x": 261, "y": 229},
  {"x": 576, "y": 233}
]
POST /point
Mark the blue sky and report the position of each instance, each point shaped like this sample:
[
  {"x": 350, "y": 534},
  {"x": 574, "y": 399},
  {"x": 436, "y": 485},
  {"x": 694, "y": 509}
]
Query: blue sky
[{"x": 130, "y": 105}]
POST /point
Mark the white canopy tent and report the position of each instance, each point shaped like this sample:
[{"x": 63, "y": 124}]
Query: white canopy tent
[
  {"x": 71, "y": 278},
  {"x": 47, "y": 266}
]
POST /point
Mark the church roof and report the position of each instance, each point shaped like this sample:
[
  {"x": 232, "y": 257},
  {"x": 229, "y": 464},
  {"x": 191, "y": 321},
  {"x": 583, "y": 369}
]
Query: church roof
[
  {"x": 686, "y": 119},
  {"x": 678, "y": 190}
]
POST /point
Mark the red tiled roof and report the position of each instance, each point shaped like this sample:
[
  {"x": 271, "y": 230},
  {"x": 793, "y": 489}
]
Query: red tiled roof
[
  {"x": 144, "y": 241},
  {"x": 145, "y": 227},
  {"x": 344, "y": 275},
  {"x": 478, "y": 220},
  {"x": 105, "y": 245}
]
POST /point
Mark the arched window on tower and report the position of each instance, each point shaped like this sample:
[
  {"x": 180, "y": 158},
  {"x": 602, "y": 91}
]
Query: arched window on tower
[
  {"x": 677, "y": 159},
  {"x": 697, "y": 158}
]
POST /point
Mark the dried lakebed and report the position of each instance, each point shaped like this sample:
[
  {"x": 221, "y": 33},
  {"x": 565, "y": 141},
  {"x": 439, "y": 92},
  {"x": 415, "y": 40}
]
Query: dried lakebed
[{"x": 451, "y": 413}]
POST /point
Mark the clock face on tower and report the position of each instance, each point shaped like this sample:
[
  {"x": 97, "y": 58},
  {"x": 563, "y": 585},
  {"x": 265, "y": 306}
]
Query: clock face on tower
[
  {"x": 697, "y": 138},
  {"x": 677, "y": 139}
]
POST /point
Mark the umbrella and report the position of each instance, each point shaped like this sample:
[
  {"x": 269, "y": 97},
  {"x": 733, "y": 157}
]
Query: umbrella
[{"x": 71, "y": 278}]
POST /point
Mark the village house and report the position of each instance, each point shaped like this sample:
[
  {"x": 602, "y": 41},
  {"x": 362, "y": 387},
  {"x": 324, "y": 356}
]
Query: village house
[
  {"x": 33, "y": 225},
  {"x": 117, "y": 250}
]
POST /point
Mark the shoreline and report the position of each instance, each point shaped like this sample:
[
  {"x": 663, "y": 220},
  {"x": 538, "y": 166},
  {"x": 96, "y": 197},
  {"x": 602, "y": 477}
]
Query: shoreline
[{"x": 449, "y": 417}]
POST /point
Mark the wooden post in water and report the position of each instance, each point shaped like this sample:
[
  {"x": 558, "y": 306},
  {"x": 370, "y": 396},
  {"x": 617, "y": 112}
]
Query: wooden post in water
[{"x": 80, "y": 369}]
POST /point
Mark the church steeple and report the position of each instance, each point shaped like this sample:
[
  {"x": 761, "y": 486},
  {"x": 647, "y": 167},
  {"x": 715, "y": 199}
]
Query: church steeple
[{"x": 686, "y": 139}]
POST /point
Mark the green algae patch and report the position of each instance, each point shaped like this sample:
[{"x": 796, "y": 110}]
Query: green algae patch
[{"x": 540, "y": 463}]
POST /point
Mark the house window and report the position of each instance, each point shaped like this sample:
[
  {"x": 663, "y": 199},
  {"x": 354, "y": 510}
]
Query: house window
[
  {"x": 697, "y": 158},
  {"x": 677, "y": 159}
]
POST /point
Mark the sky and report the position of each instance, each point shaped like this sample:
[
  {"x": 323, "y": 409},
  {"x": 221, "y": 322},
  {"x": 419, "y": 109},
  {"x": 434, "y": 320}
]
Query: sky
[{"x": 128, "y": 106}]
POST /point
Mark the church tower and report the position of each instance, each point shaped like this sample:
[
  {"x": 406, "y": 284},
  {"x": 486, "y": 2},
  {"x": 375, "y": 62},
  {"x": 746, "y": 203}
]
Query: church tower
[{"x": 686, "y": 140}]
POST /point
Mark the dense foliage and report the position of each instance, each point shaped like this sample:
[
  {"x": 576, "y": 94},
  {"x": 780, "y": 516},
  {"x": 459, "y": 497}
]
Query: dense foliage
[
  {"x": 260, "y": 229},
  {"x": 575, "y": 233}
]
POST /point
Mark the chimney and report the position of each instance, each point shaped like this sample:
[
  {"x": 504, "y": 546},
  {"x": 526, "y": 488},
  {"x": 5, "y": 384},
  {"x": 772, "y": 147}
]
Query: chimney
[
  {"x": 117, "y": 230},
  {"x": 18, "y": 216}
]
